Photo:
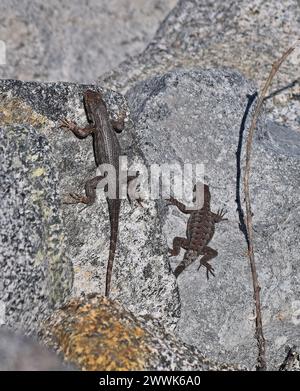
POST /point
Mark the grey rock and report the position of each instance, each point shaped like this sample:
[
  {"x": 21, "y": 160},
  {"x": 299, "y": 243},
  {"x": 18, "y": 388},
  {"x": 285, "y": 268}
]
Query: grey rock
[
  {"x": 192, "y": 115},
  {"x": 121, "y": 341},
  {"x": 244, "y": 35},
  {"x": 201, "y": 113},
  {"x": 36, "y": 274},
  {"x": 281, "y": 139},
  {"x": 19, "y": 353},
  {"x": 196, "y": 116},
  {"x": 142, "y": 278},
  {"x": 74, "y": 40}
]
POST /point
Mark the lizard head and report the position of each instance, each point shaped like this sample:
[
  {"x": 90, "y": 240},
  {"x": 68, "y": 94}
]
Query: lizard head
[
  {"x": 91, "y": 96},
  {"x": 92, "y": 100}
]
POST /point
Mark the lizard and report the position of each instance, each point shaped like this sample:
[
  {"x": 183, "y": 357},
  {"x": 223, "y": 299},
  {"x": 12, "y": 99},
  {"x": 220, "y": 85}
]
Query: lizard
[
  {"x": 106, "y": 151},
  {"x": 200, "y": 230}
]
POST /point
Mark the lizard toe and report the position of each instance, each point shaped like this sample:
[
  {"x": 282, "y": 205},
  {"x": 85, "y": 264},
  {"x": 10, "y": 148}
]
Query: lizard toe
[{"x": 79, "y": 199}]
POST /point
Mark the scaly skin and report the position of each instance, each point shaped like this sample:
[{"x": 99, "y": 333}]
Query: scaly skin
[{"x": 200, "y": 230}]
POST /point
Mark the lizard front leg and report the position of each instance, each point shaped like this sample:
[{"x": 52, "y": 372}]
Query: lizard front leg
[
  {"x": 208, "y": 254},
  {"x": 78, "y": 131},
  {"x": 179, "y": 205}
]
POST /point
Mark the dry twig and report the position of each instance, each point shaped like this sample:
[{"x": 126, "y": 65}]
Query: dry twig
[{"x": 261, "y": 359}]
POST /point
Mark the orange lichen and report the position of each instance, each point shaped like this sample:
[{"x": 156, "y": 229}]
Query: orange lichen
[{"x": 94, "y": 335}]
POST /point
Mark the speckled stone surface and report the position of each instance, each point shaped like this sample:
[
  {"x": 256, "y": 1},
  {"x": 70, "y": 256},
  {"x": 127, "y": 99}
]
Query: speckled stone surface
[
  {"x": 142, "y": 278},
  {"x": 196, "y": 117},
  {"x": 36, "y": 273},
  {"x": 204, "y": 106},
  {"x": 193, "y": 115},
  {"x": 98, "y": 334},
  {"x": 244, "y": 35},
  {"x": 74, "y": 40}
]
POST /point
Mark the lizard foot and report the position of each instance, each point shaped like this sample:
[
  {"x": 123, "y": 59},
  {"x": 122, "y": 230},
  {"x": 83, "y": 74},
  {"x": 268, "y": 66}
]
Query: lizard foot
[
  {"x": 64, "y": 123},
  {"x": 77, "y": 199},
  {"x": 80, "y": 199},
  {"x": 221, "y": 213},
  {"x": 209, "y": 269}
]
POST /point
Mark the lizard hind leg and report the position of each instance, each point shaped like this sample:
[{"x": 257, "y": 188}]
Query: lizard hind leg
[
  {"x": 90, "y": 189},
  {"x": 208, "y": 254},
  {"x": 90, "y": 193},
  {"x": 178, "y": 243}
]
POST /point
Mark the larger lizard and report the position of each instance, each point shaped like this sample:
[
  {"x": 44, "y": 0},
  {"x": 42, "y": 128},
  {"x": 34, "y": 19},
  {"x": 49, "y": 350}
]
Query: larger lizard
[
  {"x": 107, "y": 151},
  {"x": 200, "y": 230}
]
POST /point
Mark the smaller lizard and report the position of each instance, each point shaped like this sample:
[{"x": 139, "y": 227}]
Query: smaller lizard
[{"x": 200, "y": 230}]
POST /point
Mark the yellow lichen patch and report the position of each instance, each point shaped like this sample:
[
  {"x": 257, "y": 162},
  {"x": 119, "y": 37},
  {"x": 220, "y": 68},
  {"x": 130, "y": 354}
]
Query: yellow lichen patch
[
  {"x": 95, "y": 335},
  {"x": 38, "y": 172},
  {"x": 15, "y": 111},
  {"x": 37, "y": 195},
  {"x": 39, "y": 257}
]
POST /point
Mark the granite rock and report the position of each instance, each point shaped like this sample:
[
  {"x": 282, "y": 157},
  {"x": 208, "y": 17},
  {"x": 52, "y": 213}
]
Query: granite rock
[
  {"x": 197, "y": 114},
  {"x": 142, "y": 278},
  {"x": 98, "y": 334},
  {"x": 197, "y": 117},
  {"x": 74, "y": 40},
  {"x": 36, "y": 273},
  {"x": 244, "y": 35}
]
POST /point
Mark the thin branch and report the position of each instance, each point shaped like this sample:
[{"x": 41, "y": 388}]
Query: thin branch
[
  {"x": 261, "y": 359},
  {"x": 280, "y": 90}
]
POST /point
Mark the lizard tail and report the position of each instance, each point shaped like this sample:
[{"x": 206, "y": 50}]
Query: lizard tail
[
  {"x": 112, "y": 250},
  {"x": 189, "y": 257},
  {"x": 114, "y": 223}
]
